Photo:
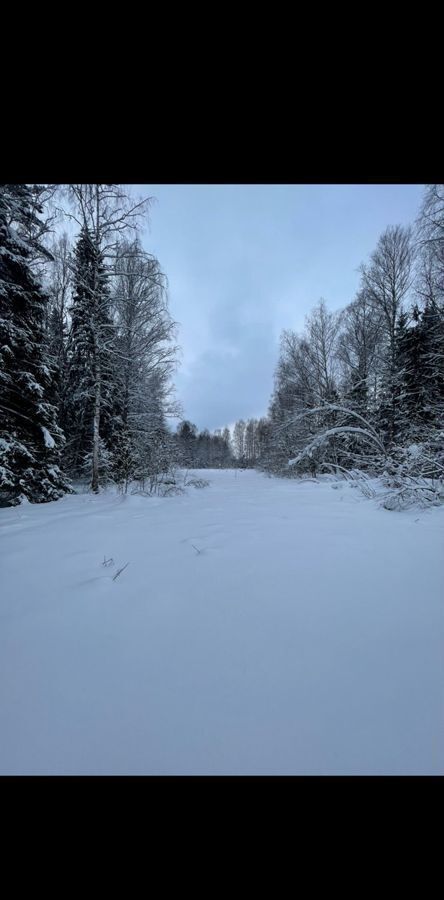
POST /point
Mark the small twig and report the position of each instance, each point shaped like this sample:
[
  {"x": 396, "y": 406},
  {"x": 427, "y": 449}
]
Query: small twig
[
  {"x": 197, "y": 551},
  {"x": 119, "y": 571},
  {"x": 107, "y": 562}
]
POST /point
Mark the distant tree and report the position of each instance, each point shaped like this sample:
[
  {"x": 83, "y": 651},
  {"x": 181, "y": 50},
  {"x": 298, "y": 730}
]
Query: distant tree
[
  {"x": 263, "y": 438},
  {"x": 239, "y": 439},
  {"x": 251, "y": 441},
  {"x": 226, "y": 437},
  {"x": 187, "y": 435}
]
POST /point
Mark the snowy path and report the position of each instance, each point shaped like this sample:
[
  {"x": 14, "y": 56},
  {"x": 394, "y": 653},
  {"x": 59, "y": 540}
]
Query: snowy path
[{"x": 306, "y": 636}]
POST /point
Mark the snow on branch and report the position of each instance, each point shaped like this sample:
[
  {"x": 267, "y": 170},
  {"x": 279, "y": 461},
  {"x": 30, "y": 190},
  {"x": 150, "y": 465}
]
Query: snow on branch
[
  {"x": 48, "y": 439},
  {"x": 321, "y": 439},
  {"x": 331, "y": 407}
]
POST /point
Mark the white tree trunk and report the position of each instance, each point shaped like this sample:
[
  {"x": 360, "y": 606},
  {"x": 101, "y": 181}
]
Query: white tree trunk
[{"x": 96, "y": 430}]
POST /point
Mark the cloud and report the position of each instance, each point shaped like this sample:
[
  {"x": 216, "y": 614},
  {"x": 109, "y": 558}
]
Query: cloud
[
  {"x": 226, "y": 384},
  {"x": 244, "y": 262}
]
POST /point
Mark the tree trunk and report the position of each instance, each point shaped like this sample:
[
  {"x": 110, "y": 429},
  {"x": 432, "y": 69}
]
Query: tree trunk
[
  {"x": 97, "y": 368},
  {"x": 96, "y": 431}
]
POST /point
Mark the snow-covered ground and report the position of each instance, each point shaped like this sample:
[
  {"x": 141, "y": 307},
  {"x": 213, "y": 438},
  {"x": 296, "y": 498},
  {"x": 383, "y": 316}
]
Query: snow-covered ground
[{"x": 301, "y": 634}]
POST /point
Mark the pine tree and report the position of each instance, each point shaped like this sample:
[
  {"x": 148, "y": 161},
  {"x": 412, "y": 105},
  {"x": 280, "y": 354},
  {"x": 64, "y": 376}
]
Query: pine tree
[{"x": 30, "y": 438}]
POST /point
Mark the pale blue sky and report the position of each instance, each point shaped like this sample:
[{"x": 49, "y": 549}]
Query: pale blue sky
[{"x": 245, "y": 261}]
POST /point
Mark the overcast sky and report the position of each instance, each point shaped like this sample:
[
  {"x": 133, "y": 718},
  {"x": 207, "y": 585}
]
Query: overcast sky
[{"x": 245, "y": 261}]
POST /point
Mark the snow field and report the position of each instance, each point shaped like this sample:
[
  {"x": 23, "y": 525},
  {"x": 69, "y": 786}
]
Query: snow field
[{"x": 301, "y": 634}]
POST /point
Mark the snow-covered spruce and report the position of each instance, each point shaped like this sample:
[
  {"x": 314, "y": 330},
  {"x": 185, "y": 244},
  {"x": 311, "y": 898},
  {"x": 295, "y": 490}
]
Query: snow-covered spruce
[{"x": 30, "y": 438}]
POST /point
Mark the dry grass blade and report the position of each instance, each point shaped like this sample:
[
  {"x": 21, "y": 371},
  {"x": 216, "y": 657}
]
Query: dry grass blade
[{"x": 119, "y": 571}]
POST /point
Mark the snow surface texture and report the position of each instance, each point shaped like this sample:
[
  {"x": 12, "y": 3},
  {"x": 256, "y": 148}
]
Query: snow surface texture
[{"x": 262, "y": 626}]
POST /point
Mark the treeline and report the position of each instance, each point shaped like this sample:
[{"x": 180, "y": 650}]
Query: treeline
[
  {"x": 86, "y": 343},
  {"x": 202, "y": 450},
  {"x": 364, "y": 388},
  {"x": 250, "y": 441}
]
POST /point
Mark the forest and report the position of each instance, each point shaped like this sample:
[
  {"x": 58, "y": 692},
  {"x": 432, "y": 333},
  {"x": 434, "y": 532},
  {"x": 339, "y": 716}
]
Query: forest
[
  {"x": 88, "y": 352},
  {"x": 287, "y": 618}
]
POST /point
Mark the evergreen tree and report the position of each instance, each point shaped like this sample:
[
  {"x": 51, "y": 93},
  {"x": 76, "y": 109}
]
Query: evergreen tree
[
  {"x": 432, "y": 330},
  {"x": 89, "y": 360},
  {"x": 30, "y": 438},
  {"x": 411, "y": 400},
  {"x": 106, "y": 213},
  {"x": 187, "y": 440}
]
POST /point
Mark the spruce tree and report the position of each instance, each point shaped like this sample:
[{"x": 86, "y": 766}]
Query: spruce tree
[
  {"x": 89, "y": 346},
  {"x": 412, "y": 415},
  {"x": 30, "y": 438},
  {"x": 432, "y": 327}
]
